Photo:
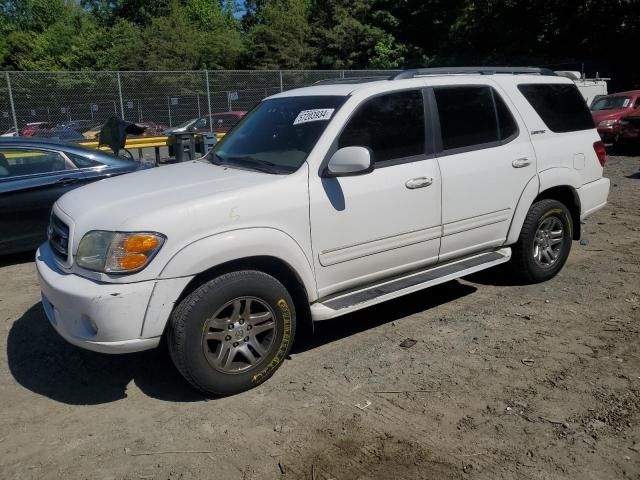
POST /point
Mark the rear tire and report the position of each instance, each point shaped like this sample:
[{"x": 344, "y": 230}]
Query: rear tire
[
  {"x": 233, "y": 332},
  {"x": 544, "y": 243}
]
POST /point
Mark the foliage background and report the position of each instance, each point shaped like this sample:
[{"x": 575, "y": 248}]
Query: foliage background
[{"x": 72, "y": 35}]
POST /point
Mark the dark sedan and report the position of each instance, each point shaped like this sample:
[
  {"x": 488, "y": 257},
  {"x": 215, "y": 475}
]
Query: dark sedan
[{"x": 34, "y": 174}]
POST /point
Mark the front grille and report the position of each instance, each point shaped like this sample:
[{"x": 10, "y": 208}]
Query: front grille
[{"x": 58, "y": 233}]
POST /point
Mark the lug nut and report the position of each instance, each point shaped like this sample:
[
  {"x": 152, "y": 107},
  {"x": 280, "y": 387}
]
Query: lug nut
[
  {"x": 230, "y": 326},
  {"x": 241, "y": 322},
  {"x": 235, "y": 344},
  {"x": 227, "y": 338},
  {"x": 249, "y": 327},
  {"x": 246, "y": 339}
]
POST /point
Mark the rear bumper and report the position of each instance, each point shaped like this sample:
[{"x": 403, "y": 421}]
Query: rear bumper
[
  {"x": 102, "y": 317},
  {"x": 593, "y": 197}
]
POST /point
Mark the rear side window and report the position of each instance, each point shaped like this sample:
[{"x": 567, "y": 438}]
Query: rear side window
[
  {"x": 83, "y": 162},
  {"x": 507, "y": 126},
  {"x": 392, "y": 126},
  {"x": 473, "y": 116},
  {"x": 560, "y": 106},
  {"x": 18, "y": 162}
]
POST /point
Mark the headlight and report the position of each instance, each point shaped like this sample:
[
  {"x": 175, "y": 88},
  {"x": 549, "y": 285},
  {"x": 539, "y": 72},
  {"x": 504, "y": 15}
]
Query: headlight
[
  {"x": 607, "y": 123},
  {"x": 118, "y": 252}
]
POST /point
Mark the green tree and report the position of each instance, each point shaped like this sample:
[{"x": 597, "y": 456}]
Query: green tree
[
  {"x": 278, "y": 39},
  {"x": 354, "y": 34},
  {"x": 140, "y": 12},
  {"x": 219, "y": 43},
  {"x": 120, "y": 47},
  {"x": 48, "y": 35}
]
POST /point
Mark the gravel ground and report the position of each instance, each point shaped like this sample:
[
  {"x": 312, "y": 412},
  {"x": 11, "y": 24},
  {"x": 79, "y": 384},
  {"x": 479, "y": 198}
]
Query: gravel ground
[{"x": 505, "y": 381}]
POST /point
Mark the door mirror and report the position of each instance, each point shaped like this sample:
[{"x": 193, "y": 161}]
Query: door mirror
[{"x": 349, "y": 161}]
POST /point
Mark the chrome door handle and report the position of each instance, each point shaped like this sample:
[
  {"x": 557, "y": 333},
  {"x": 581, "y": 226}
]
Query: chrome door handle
[
  {"x": 521, "y": 162},
  {"x": 419, "y": 182}
]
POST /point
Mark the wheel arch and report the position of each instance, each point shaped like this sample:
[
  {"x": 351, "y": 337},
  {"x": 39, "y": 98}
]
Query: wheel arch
[
  {"x": 274, "y": 266},
  {"x": 263, "y": 249},
  {"x": 558, "y": 184},
  {"x": 569, "y": 197}
]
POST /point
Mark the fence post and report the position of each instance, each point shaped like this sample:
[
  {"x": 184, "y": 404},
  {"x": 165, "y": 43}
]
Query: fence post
[
  {"x": 281, "y": 89},
  {"x": 13, "y": 108},
  {"x": 120, "y": 94},
  {"x": 206, "y": 78}
]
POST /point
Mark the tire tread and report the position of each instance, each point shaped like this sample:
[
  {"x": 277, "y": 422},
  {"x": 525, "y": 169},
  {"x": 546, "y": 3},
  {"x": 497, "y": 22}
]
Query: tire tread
[
  {"x": 178, "y": 320},
  {"x": 519, "y": 258}
]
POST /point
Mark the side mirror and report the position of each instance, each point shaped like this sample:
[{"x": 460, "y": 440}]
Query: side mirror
[{"x": 349, "y": 161}]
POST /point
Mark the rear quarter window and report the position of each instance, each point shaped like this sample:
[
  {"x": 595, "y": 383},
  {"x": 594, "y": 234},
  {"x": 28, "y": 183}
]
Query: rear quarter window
[{"x": 560, "y": 106}]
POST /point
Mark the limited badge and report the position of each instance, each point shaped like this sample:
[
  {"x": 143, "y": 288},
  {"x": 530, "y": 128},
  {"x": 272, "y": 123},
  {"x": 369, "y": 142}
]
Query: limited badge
[{"x": 314, "y": 115}]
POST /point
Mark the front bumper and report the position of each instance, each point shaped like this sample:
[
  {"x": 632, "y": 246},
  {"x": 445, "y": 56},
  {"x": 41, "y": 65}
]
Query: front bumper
[
  {"x": 103, "y": 317},
  {"x": 608, "y": 134},
  {"x": 630, "y": 134}
]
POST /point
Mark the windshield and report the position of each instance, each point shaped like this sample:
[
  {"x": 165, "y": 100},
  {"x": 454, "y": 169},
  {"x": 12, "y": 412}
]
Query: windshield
[
  {"x": 278, "y": 135},
  {"x": 610, "y": 103}
]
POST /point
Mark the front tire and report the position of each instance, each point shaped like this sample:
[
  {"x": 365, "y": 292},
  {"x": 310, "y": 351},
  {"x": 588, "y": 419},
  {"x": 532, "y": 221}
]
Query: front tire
[
  {"x": 544, "y": 243},
  {"x": 233, "y": 332}
]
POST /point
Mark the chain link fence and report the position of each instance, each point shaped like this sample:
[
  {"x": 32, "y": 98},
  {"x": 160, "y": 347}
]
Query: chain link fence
[{"x": 160, "y": 99}]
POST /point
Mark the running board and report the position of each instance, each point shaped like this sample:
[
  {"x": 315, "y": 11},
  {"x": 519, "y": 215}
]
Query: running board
[{"x": 342, "y": 303}]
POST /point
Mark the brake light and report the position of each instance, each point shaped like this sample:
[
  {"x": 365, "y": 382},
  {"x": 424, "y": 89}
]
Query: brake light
[{"x": 601, "y": 152}]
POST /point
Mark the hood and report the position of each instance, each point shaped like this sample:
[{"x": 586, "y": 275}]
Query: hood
[
  {"x": 171, "y": 130},
  {"x": 600, "y": 115},
  {"x": 144, "y": 197}
]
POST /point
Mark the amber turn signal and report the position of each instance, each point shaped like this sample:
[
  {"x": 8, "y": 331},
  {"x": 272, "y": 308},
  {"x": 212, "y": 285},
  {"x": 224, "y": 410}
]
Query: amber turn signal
[
  {"x": 140, "y": 244},
  {"x": 131, "y": 261}
]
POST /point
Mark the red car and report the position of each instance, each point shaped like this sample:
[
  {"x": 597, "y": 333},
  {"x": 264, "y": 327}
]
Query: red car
[
  {"x": 630, "y": 129},
  {"x": 30, "y": 129},
  {"x": 608, "y": 111}
]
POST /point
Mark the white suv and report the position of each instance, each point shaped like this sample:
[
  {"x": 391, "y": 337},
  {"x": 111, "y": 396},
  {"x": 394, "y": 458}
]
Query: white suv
[{"x": 322, "y": 201}]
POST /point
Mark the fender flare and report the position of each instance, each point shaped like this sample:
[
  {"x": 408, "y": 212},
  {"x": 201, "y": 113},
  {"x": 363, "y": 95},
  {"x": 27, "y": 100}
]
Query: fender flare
[
  {"x": 208, "y": 252},
  {"x": 559, "y": 177},
  {"x": 525, "y": 201},
  {"x": 545, "y": 180}
]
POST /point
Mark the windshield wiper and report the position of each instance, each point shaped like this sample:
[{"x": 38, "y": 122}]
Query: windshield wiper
[
  {"x": 214, "y": 158},
  {"x": 256, "y": 163}
]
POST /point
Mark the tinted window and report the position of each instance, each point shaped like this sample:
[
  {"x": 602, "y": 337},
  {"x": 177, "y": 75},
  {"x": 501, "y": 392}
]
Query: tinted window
[
  {"x": 560, "y": 106},
  {"x": 507, "y": 125},
  {"x": 278, "y": 134},
  {"x": 17, "y": 162},
  {"x": 467, "y": 116},
  {"x": 83, "y": 162},
  {"x": 392, "y": 126}
]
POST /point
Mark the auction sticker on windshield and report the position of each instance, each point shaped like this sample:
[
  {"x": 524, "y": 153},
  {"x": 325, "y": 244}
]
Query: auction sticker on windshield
[{"x": 314, "y": 115}]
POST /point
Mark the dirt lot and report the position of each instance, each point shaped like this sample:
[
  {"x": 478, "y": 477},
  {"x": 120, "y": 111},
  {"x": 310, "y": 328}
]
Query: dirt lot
[{"x": 505, "y": 381}]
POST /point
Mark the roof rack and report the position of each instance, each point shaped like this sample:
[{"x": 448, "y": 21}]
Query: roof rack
[
  {"x": 420, "y": 72},
  {"x": 334, "y": 81}
]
